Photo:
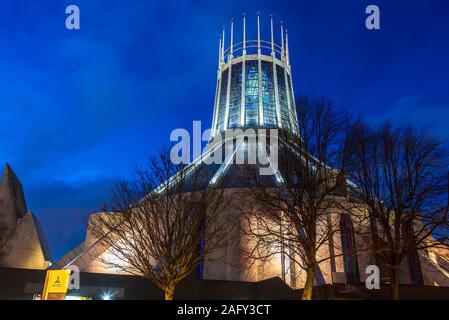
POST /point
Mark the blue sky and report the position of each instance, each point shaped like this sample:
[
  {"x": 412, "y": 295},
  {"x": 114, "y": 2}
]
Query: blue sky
[{"x": 79, "y": 109}]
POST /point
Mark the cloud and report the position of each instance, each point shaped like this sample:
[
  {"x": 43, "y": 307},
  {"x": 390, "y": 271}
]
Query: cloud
[
  {"x": 419, "y": 112},
  {"x": 63, "y": 208}
]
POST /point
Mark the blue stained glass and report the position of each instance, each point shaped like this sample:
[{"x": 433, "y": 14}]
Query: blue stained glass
[
  {"x": 222, "y": 101},
  {"x": 349, "y": 250},
  {"x": 283, "y": 102},
  {"x": 413, "y": 259},
  {"x": 268, "y": 98},
  {"x": 235, "y": 96},
  {"x": 252, "y": 93}
]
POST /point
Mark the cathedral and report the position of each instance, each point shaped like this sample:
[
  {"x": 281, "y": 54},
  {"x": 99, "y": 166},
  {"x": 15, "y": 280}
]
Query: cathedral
[{"x": 255, "y": 90}]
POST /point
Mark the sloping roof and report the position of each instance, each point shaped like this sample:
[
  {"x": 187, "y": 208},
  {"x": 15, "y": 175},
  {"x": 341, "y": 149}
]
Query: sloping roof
[
  {"x": 81, "y": 256},
  {"x": 228, "y": 173},
  {"x": 42, "y": 238}
]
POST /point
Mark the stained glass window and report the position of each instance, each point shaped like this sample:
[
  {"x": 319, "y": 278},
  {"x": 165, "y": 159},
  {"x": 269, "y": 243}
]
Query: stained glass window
[
  {"x": 413, "y": 259},
  {"x": 268, "y": 101},
  {"x": 283, "y": 102},
  {"x": 236, "y": 96},
  {"x": 222, "y": 101},
  {"x": 349, "y": 253},
  {"x": 252, "y": 93}
]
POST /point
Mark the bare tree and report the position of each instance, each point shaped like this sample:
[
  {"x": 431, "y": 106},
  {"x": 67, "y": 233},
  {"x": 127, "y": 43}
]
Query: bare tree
[
  {"x": 400, "y": 177},
  {"x": 297, "y": 216},
  {"x": 163, "y": 223}
]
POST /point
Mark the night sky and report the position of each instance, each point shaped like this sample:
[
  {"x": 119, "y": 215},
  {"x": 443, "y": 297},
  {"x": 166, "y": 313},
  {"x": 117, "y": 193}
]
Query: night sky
[{"x": 80, "y": 109}]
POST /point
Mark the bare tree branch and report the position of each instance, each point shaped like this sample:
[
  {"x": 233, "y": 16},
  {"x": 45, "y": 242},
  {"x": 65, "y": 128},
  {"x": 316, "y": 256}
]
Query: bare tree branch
[
  {"x": 163, "y": 223},
  {"x": 401, "y": 178},
  {"x": 297, "y": 217}
]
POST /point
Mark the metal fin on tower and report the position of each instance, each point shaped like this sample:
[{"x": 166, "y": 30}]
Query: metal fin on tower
[
  {"x": 223, "y": 46},
  {"x": 286, "y": 48},
  {"x": 282, "y": 41},
  {"x": 258, "y": 34},
  {"x": 244, "y": 33},
  {"x": 272, "y": 36},
  {"x": 219, "y": 54},
  {"x": 232, "y": 39}
]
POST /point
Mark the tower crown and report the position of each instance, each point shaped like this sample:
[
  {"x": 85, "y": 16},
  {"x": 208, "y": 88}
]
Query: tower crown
[{"x": 254, "y": 84}]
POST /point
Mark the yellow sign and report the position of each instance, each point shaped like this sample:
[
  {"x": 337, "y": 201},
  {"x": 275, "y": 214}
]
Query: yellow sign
[{"x": 56, "y": 284}]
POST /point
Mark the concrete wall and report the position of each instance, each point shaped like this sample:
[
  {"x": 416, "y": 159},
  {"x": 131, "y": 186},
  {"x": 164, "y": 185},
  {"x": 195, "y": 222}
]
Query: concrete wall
[
  {"x": 23, "y": 249},
  {"x": 230, "y": 264},
  {"x": 22, "y": 242}
]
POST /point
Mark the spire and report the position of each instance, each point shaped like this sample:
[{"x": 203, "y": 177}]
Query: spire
[
  {"x": 15, "y": 189},
  {"x": 222, "y": 46},
  {"x": 219, "y": 54},
  {"x": 7, "y": 166},
  {"x": 282, "y": 41},
  {"x": 272, "y": 36},
  {"x": 232, "y": 38},
  {"x": 6, "y": 171},
  {"x": 286, "y": 48},
  {"x": 258, "y": 33},
  {"x": 244, "y": 33}
]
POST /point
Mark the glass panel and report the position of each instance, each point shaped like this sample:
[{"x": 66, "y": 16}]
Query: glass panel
[
  {"x": 222, "y": 102},
  {"x": 252, "y": 93},
  {"x": 413, "y": 259},
  {"x": 268, "y": 101},
  {"x": 236, "y": 96},
  {"x": 283, "y": 103},
  {"x": 349, "y": 250}
]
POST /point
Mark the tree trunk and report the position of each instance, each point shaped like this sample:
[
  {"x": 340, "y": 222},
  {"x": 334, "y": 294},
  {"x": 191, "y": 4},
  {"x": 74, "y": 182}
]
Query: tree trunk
[
  {"x": 169, "y": 292},
  {"x": 308, "y": 287},
  {"x": 394, "y": 283}
]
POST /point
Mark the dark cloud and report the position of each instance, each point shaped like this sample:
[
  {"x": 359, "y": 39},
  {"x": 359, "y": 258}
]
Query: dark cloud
[
  {"x": 419, "y": 112},
  {"x": 66, "y": 206}
]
